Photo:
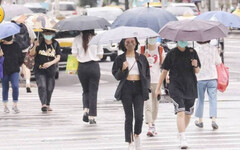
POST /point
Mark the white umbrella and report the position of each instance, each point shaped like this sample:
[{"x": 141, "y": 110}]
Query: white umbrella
[{"x": 119, "y": 33}]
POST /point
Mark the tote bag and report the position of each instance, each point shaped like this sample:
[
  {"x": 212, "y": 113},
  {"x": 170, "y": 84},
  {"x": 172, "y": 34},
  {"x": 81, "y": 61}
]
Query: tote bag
[
  {"x": 223, "y": 77},
  {"x": 72, "y": 65}
]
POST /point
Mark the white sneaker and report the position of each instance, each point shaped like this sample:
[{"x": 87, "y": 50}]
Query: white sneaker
[
  {"x": 183, "y": 141},
  {"x": 137, "y": 143},
  {"x": 131, "y": 146}
]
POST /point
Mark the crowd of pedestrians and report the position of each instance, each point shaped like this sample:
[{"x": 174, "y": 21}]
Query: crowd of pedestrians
[{"x": 140, "y": 71}]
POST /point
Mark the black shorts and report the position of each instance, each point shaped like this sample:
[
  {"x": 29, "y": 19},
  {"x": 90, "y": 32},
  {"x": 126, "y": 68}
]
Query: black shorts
[{"x": 181, "y": 104}]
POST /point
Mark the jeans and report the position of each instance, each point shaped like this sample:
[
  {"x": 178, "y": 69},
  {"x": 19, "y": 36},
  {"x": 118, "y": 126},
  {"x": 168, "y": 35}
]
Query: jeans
[
  {"x": 89, "y": 76},
  {"x": 211, "y": 87},
  {"x": 14, "y": 79},
  {"x": 132, "y": 98},
  {"x": 46, "y": 84}
]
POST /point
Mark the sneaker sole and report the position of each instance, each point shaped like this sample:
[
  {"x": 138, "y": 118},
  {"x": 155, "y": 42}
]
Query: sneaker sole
[
  {"x": 184, "y": 147},
  {"x": 150, "y": 134}
]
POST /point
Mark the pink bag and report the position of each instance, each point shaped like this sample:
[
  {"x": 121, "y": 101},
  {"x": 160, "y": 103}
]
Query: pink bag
[{"x": 223, "y": 77}]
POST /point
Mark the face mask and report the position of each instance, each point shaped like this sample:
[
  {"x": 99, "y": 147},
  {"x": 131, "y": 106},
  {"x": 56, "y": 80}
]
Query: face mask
[
  {"x": 130, "y": 46},
  {"x": 182, "y": 44},
  {"x": 48, "y": 37},
  {"x": 152, "y": 41}
]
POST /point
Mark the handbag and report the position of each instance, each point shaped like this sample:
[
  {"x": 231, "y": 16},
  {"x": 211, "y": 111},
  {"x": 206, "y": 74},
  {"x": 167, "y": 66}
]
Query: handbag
[
  {"x": 29, "y": 60},
  {"x": 223, "y": 77},
  {"x": 72, "y": 65}
]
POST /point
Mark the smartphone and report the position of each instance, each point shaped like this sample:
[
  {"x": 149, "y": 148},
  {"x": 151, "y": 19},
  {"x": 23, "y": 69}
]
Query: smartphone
[{"x": 158, "y": 97}]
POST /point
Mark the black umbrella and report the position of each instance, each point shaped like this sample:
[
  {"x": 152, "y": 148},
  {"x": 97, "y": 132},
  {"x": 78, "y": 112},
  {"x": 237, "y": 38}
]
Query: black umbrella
[{"x": 80, "y": 23}]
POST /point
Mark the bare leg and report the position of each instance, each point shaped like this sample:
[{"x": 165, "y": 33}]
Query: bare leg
[
  {"x": 181, "y": 121},
  {"x": 27, "y": 75},
  {"x": 187, "y": 120}
]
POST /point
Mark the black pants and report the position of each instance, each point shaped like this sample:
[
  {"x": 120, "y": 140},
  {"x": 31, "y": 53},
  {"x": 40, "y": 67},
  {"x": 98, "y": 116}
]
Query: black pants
[
  {"x": 46, "y": 83},
  {"x": 132, "y": 97},
  {"x": 89, "y": 76}
]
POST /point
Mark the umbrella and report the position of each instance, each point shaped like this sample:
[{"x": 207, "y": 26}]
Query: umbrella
[
  {"x": 8, "y": 29},
  {"x": 36, "y": 21},
  {"x": 148, "y": 17},
  {"x": 119, "y": 33},
  {"x": 81, "y": 23},
  {"x": 193, "y": 30},
  {"x": 180, "y": 11},
  {"x": 225, "y": 18},
  {"x": 12, "y": 10}
]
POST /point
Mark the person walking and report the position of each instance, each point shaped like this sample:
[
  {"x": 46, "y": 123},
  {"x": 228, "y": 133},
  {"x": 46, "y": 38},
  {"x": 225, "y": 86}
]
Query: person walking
[
  {"x": 47, "y": 54},
  {"x": 154, "y": 54},
  {"x": 25, "y": 39},
  {"x": 13, "y": 59},
  {"x": 132, "y": 70},
  {"x": 207, "y": 80},
  {"x": 88, "y": 72},
  {"x": 183, "y": 63}
]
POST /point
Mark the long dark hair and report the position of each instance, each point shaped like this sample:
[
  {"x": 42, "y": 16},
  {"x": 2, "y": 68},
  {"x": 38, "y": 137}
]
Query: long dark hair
[
  {"x": 86, "y": 34},
  {"x": 122, "y": 47}
]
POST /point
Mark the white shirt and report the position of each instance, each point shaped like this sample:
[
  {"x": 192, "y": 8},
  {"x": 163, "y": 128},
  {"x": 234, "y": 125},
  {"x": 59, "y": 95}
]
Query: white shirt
[
  {"x": 90, "y": 55},
  {"x": 132, "y": 64},
  {"x": 209, "y": 58},
  {"x": 154, "y": 64}
]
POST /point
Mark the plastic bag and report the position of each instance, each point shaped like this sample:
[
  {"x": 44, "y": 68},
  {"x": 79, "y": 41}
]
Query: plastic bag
[
  {"x": 72, "y": 65},
  {"x": 223, "y": 77}
]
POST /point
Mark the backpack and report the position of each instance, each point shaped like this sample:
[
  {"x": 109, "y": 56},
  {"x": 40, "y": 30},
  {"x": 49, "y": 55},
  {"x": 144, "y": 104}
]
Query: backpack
[
  {"x": 160, "y": 51},
  {"x": 22, "y": 38}
]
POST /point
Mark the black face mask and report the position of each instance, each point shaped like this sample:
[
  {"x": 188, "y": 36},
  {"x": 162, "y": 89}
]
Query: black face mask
[{"x": 8, "y": 39}]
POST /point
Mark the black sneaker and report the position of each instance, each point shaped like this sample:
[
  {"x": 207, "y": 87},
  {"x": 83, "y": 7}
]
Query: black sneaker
[
  {"x": 92, "y": 121},
  {"x": 28, "y": 89},
  {"x": 214, "y": 125},
  {"x": 85, "y": 117},
  {"x": 44, "y": 109},
  {"x": 200, "y": 125}
]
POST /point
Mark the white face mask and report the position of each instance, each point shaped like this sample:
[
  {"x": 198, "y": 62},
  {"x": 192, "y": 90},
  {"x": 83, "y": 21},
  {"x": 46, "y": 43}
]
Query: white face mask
[{"x": 152, "y": 41}]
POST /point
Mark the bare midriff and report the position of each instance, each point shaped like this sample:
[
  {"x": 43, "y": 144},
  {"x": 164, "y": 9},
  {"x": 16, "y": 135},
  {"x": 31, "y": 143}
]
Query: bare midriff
[{"x": 133, "y": 77}]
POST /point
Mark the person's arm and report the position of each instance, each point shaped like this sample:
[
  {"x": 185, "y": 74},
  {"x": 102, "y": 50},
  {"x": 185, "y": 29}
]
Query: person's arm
[
  {"x": 195, "y": 66},
  {"x": 166, "y": 66},
  {"x": 217, "y": 57},
  {"x": 196, "y": 63},
  {"x": 119, "y": 71},
  {"x": 75, "y": 46},
  {"x": 148, "y": 76},
  {"x": 1, "y": 52},
  {"x": 32, "y": 51},
  {"x": 57, "y": 59},
  {"x": 100, "y": 51},
  {"x": 161, "y": 79},
  {"x": 20, "y": 55}
]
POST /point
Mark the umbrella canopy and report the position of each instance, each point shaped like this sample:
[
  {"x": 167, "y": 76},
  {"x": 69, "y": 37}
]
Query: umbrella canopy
[
  {"x": 81, "y": 23},
  {"x": 180, "y": 11},
  {"x": 8, "y": 29},
  {"x": 36, "y": 21},
  {"x": 117, "y": 34},
  {"x": 147, "y": 17},
  {"x": 12, "y": 10},
  {"x": 193, "y": 30},
  {"x": 225, "y": 18}
]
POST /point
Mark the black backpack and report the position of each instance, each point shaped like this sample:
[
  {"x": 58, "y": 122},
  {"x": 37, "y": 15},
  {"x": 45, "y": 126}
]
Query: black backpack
[{"x": 22, "y": 38}]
